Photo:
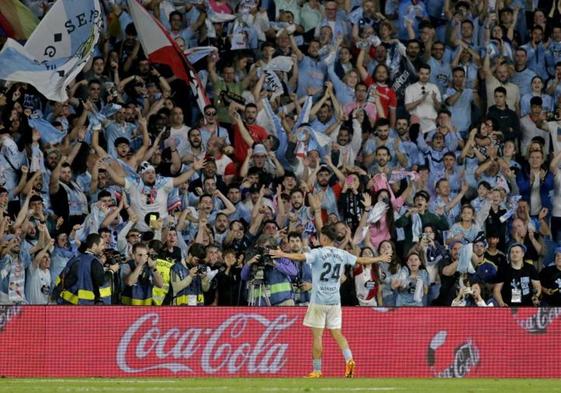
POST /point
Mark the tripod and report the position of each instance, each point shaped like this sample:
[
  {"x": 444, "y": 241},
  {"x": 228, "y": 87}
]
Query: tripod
[{"x": 258, "y": 293}]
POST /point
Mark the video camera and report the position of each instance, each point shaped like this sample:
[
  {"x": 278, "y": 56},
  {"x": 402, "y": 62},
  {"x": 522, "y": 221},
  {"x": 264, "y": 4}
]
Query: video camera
[{"x": 113, "y": 257}]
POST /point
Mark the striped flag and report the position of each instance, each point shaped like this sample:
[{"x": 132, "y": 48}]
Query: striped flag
[
  {"x": 57, "y": 50},
  {"x": 162, "y": 49},
  {"x": 16, "y": 20}
]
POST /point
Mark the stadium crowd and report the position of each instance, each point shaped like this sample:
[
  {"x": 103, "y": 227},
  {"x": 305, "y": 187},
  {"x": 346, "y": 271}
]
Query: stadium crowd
[{"x": 427, "y": 132}]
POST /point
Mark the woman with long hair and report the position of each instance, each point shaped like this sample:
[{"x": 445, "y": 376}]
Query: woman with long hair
[
  {"x": 367, "y": 282},
  {"x": 466, "y": 228},
  {"x": 411, "y": 283},
  {"x": 386, "y": 270}
]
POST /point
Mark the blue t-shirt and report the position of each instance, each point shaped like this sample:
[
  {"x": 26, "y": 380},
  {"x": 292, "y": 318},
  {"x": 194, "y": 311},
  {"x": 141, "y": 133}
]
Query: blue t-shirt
[{"x": 327, "y": 264}]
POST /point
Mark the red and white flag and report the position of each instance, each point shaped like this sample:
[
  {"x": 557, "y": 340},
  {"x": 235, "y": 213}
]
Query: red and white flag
[{"x": 162, "y": 49}]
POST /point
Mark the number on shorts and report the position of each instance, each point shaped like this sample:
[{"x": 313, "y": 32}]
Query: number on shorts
[{"x": 327, "y": 269}]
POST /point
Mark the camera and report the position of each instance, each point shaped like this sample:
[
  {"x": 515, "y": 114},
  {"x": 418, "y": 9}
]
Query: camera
[
  {"x": 201, "y": 269},
  {"x": 264, "y": 257},
  {"x": 113, "y": 257}
]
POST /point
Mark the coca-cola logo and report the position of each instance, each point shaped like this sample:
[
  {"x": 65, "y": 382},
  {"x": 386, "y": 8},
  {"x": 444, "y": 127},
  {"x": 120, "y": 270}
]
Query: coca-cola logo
[
  {"x": 242, "y": 341},
  {"x": 7, "y": 313},
  {"x": 539, "y": 322},
  {"x": 465, "y": 357}
]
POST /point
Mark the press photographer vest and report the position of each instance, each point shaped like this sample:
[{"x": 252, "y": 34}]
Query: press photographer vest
[
  {"x": 163, "y": 266},
  {"x": 193, "y": 295},
  {"x": 139, "y": 294},
  {"x": 82, "y": 291},
  {"x": 277, "y": 287}
]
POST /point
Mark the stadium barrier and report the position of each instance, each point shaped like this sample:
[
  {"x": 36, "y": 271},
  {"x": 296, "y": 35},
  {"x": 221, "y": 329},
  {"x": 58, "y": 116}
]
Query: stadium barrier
[{"x": 55, "y": 341}]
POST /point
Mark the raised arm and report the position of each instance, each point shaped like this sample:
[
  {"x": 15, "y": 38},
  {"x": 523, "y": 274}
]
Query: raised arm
[{"x": 185, "y": 176}]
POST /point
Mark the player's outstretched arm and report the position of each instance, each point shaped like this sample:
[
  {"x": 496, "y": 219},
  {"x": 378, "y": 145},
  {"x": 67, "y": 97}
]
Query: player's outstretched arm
[
  {"x": 280, "y": 254},
  {"x": 371, "y": 260}
]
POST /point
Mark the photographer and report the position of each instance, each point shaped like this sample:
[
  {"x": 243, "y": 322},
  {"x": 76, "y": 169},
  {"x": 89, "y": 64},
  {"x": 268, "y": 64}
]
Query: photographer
[
  {"x": 139, "y": 276},
  {"x": 229, "y": 281},
  {"x": 83, "y": 280},
  {"x": 189, "y": 280},
  {"x": 112, "y": 266},
  {"x": 269, "y": 282}
]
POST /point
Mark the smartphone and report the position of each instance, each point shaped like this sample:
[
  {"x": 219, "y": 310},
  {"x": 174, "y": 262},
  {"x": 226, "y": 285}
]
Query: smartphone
[{"x": 153, "y": 219}]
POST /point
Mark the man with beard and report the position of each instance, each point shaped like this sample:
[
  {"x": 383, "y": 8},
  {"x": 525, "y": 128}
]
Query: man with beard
[
  {"x": 422, "y": 99},
  {"x": 220, "y": 228},
  {"x": 329, "y": 194},
  {"x": 440, "y": 67},
  {"x": 347, "y": 148},
  {"x": 235, "y": 196},
  {"x": 149, "y": 192},
  {"x": 178, "y": 131},
  {"x": 522, "y": 75},
  {"x": 209, "y": 209},
  {"x": 324, "y": 121},
  {"x": 246, "y": 132},
  {"x": 449, "y": 275},
  {"x": 382, "y": 162},
  {"x": 208, "y": 173},
  {"x": 82, "y": 281},
  {"x": 500, "y": 78},
  {"x": 311, "y": 69},
  {"x": 537, "y": 52},
  {"x": 119, "y": 128},
  {"x": 14, "y": 260},
  {"x": 302, "y": 283},
  {"x": 123, "y": 154},
  {"x": 458, "y": 99},
  {"x": 404, "y": 70},
  {"x": 195, "y": 150},
  {"x": 67, "y": 197},
  {"x": 409, "y": 148},
  {"x": 299, "y": 215},
  {"x": 382, "y": 138}
]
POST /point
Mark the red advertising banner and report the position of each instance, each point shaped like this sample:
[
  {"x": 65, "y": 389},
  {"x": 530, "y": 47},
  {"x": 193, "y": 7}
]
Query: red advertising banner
[{"x": 62, "y": 341}]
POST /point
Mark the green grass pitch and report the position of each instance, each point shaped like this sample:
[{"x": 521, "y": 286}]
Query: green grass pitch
[{"x": 274, "y": 385}]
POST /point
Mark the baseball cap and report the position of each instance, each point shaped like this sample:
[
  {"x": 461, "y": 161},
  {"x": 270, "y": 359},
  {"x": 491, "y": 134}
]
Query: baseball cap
[{"x": 259, "y": 150}]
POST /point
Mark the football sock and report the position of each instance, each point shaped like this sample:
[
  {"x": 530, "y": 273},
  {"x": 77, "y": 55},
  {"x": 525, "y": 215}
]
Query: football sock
[
  {"x": 317, "y": 364},
  {"x": 347, "y": 354}
]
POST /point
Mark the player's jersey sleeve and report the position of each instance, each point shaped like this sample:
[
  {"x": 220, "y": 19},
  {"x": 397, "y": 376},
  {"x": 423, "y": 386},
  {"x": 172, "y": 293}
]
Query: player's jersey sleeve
[
  {"x": 351, "y": 259},
  {"x": 314, "y": 256}
]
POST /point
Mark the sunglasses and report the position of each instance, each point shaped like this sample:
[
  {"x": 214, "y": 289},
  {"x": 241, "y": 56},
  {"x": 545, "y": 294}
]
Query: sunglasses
[{"x": 210, "y": 113}]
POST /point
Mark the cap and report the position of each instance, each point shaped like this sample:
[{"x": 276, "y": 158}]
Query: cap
[
  {"x": 515, "y": 245},
  {"x": 259, "y": 150},
  {"x": 422, "y": 194},
  {"x": 144, "y": 167}
]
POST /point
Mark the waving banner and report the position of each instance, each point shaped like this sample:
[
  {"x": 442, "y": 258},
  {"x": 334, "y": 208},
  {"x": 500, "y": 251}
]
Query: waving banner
[{"x": 57, "y": 50}]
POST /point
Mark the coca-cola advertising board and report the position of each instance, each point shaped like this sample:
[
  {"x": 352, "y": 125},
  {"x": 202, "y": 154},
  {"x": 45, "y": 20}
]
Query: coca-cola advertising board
[{"x": 62, "y": 341}]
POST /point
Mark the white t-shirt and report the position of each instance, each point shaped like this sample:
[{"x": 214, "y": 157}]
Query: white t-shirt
[
  {"x": 145, "y": 199},
  {"x": 425, "y": 110},
  {"x": 38, "y": 285}
]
